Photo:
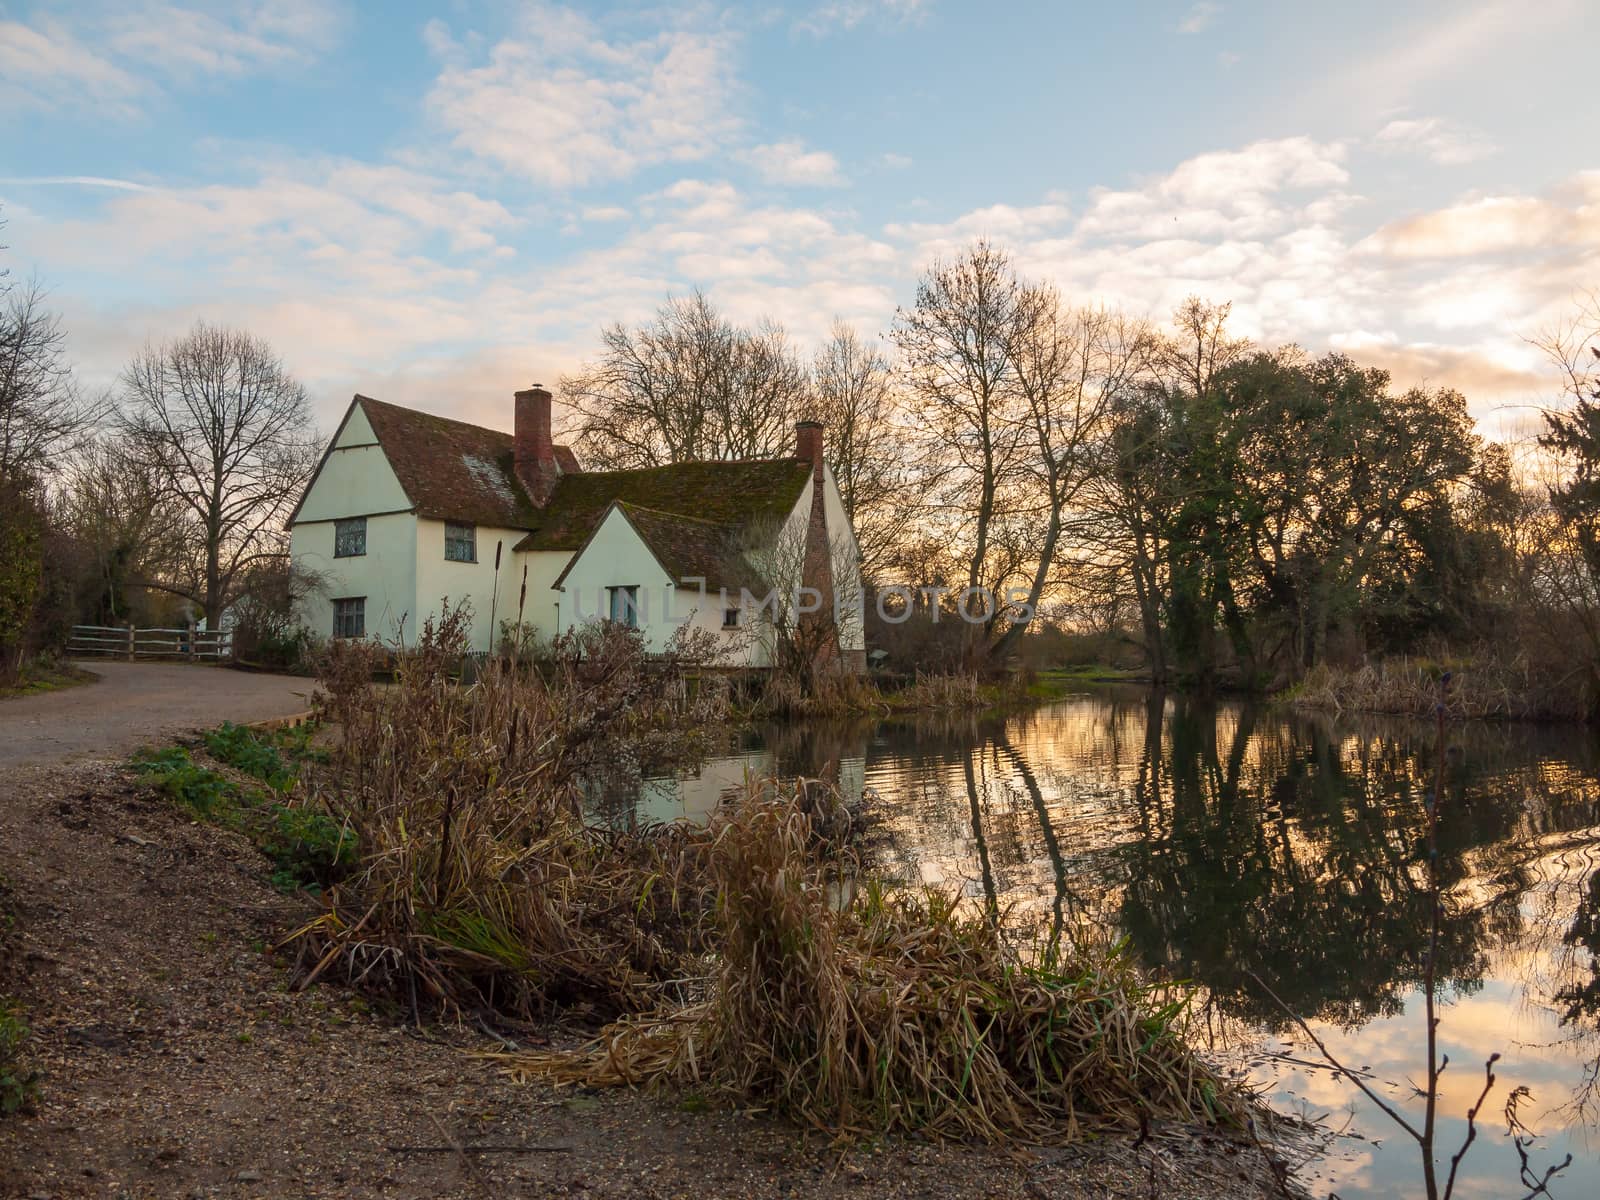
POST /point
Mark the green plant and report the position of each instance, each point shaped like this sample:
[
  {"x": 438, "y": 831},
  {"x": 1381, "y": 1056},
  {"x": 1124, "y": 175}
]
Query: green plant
[
  {"x": 18, "y": 1086},
  {"x": 241, "y": 747},
  {"x": 310, "y": 849},
  {"x": 175, "y": 775}
]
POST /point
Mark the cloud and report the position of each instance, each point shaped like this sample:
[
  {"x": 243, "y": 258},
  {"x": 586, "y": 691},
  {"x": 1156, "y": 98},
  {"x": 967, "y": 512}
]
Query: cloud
[
  {"x": 223, "y": 39},
  {"x": 46, "y": 66},
  {"x": 791, "y": 163},
  {"x": 896, "y": 162},
  {"x": 396, "y": 277},
  {"x": 844, "y": 15},
  {"x": 1432, "y": 49},
  {"x": 91, "y": 181},
  {"x": 558, "y": 103},
  {"x": 1199, "y": 18},
  {"x": 1439, "y": 141},
  {"x": 1494, "y": 225},
  {"x": 105, "y": 57}
]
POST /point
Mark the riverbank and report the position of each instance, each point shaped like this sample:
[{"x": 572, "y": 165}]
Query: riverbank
[
  {"x": 1480, "y": 687},
  {"x": 177, "y": 1060}
]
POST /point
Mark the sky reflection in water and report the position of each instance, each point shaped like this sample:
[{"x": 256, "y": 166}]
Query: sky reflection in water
[{"x": 1230, "y": 842}]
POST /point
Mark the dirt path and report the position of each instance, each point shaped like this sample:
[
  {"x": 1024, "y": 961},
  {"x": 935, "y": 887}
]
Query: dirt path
[
  {"x": 177, "y": 1062},
  {"x": 132, "y": 704}
]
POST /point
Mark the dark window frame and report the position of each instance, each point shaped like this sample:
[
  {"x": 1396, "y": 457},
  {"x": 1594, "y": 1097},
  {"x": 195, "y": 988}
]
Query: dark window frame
[
  {"x": 342, "y": 623},
  {"x": 346, "y": 531},
  {"x": 456, "y": 535},
  {"x": 731, "y": 617}
]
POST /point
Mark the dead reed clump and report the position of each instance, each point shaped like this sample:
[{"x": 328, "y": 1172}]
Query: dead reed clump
[
  {"x": 900, "y": 1010},
  {"x": 478, "y": 886},
  {"x": 1486, "y": 685}
]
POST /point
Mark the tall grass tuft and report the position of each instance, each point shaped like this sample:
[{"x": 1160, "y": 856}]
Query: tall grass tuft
[
  {"x": 900, "y": 1010},
  {"x": 478, "y": 885},
  {"x": 1489, "y": 684}
]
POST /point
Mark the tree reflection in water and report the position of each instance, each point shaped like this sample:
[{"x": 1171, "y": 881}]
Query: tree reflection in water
[{"x": 1226, "y": 841}]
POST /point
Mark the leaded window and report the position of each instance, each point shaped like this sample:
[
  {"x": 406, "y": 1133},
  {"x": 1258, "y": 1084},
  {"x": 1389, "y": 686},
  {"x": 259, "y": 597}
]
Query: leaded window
[
  {"x": 460, "y": 542},
  {"x": 350, "y": 538}
]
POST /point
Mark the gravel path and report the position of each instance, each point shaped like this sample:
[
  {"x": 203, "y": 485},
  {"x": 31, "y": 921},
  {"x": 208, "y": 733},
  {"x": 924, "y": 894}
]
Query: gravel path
[{"x": 133, "y": 704}]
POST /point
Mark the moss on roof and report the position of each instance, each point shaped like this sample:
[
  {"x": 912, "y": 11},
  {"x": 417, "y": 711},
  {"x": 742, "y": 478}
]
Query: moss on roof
[{"x": 733, "y": 495}]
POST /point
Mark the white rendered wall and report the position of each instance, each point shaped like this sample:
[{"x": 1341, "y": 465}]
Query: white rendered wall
[
  {"x": 617, "y": 557},
  {"x": 439, "y": 578},
  {"x": 385, "y": 575}
]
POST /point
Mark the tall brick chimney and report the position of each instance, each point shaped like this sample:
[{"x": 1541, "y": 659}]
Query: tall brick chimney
[
  {"x": 535, "y": 447},
  {"x": 808, "y": 444}
]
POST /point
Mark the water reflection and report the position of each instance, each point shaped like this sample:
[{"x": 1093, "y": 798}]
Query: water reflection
[{"x": 1229, "y": 842}]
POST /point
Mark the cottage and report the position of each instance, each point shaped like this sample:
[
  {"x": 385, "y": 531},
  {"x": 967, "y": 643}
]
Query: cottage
[{"x": 408, "y": 511}]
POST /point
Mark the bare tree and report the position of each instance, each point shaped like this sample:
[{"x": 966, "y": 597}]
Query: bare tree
[
  {"x": 229, "y": 433},
  {"x": 853, "y": 382},
  {"x": 134, "y": 533},
  {"x": 1071, "y": 367},
  {"x": 43, "y": 414},
  {"x": 689, "y": 385},
  {"x": 956, "y": 343}
]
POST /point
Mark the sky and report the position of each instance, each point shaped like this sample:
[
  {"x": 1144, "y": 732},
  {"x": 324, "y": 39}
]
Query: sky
[{"x": 439, "y": 204}]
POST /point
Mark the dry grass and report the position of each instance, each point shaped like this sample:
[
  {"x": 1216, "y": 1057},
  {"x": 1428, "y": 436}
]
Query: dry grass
[
  {"x": 479, "y": 887},
  {"x": 1483, "y": 685},
  {"x": 749, "y": 956},
  {"x": 900, "y": 1011}
]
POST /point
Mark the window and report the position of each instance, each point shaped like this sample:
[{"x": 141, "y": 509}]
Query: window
[
  {"x": 350, "y": 617},
  {"x": 350, "y": 538},
  {"x": 730, "y": 617},
  {"x": 625, "y": 606},
  {"x": 460, "y": 542}
]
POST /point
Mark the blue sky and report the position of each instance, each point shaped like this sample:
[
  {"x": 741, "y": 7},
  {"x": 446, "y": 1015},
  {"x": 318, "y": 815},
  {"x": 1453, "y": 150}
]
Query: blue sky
[{"x": 439, "y": 203}]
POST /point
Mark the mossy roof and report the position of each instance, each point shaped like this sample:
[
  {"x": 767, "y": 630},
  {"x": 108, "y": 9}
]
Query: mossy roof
[
  {"x": 734, "y": 496},
  {"x": 690, "y": 549}
]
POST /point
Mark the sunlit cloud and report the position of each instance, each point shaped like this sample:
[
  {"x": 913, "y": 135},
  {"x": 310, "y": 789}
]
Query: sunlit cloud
[
  {"x": 1443, "y": 142},
  {"x": 560, "y": 103}
]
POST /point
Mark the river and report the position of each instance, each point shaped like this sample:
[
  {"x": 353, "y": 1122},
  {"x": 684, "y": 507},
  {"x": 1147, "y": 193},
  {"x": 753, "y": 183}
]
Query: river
[{"x": 1233, "y": 844}]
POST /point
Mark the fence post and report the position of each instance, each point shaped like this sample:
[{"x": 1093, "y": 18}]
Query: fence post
[
  {"x": 130, "y": 641},
  {"x": 194, "y": 633}
]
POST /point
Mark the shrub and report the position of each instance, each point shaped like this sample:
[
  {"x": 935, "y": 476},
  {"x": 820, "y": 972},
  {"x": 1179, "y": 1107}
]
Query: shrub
[
  {"x": 22, "y": 529},
  {"x": 18, "y": 1084}
]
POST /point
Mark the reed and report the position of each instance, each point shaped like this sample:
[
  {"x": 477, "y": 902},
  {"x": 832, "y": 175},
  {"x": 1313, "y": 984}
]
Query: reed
[
  {"x": 900, "y": 1010},
  {"x": 478, "y": 886},
  {"x": 1489, "y": 685}
]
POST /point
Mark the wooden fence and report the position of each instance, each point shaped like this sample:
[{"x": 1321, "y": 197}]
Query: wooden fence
[{"x": 130, "y": 642}]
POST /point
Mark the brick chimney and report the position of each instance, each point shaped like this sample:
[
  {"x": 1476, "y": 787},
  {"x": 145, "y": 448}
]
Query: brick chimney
[
  {"x": 536, "y": 462},
  {"x": 808, "y": 444}
]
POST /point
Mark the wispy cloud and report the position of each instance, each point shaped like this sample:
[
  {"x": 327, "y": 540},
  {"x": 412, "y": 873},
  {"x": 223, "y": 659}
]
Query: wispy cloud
[
  {"x": 792, "y": 163},
  {"x": 838, "y": 15},
  {"x": 46, "y": 66},
  {"x": 223, "y": 39},
  {"x": 1444, "y": 142},
  {"x": 90, "y": 181},
  {"x": 110, "y": 58},
  {"x": 560, "y": 103},
  {"x": 896, "y": 162},
  {"x": 1199, "y": 18}
]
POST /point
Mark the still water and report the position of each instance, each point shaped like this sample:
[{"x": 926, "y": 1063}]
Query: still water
[{"x": 1231, "y": 843}]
